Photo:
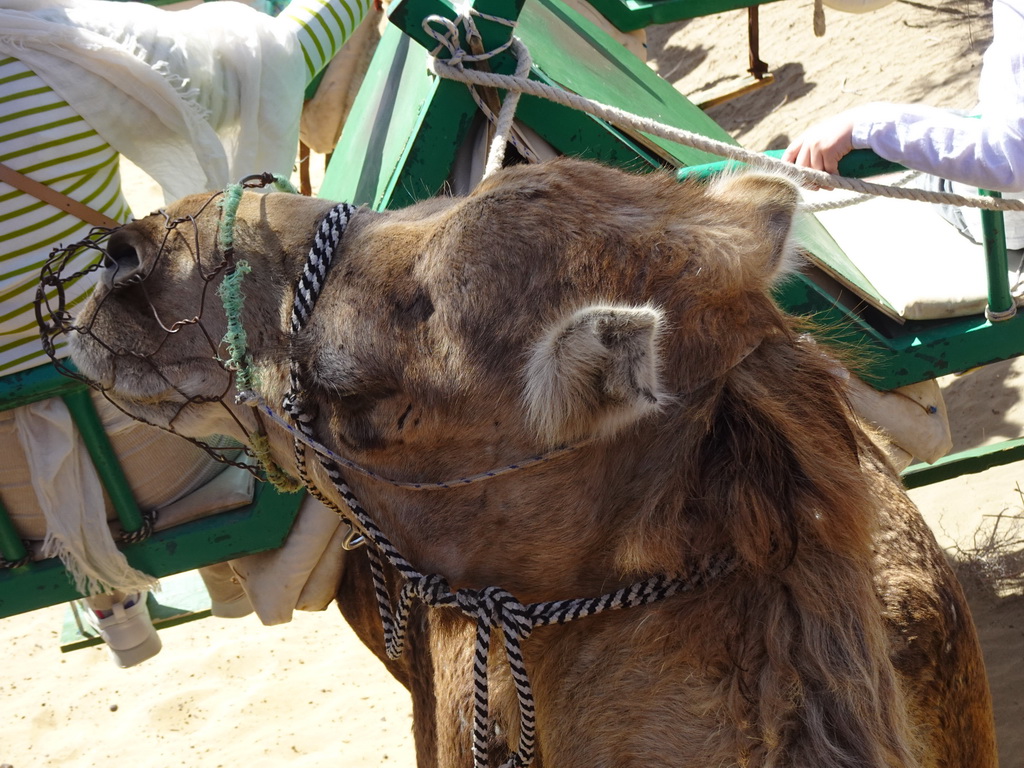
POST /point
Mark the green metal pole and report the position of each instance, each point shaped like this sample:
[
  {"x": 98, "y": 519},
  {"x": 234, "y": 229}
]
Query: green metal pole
[
  {"x": 11, "y": 548},
  {"x": 103, "y": 458},
  {"x": 19, "y": 389},
  {"x": 964, "y": 463},
  {"x": 1000, "y": 301}
]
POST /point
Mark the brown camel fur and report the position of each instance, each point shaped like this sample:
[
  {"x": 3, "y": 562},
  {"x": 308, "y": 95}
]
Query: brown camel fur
[
  {"x": 632, "y": 317},
  {"x": 435, "y": 667}
]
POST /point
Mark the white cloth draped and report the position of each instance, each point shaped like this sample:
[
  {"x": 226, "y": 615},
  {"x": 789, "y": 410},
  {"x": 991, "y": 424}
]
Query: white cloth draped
[
  {"x": 196, "y": 98},
  {"x": 71, "y": 498}
]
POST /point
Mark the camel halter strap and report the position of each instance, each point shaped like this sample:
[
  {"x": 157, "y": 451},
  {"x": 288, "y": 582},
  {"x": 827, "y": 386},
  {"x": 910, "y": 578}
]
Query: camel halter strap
[{"x": 492, "y": 607}]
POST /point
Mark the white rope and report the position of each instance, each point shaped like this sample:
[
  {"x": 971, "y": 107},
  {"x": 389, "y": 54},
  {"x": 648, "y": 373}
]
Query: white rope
[
  {"x": 505, "y": 132},
  {"x": 808, "y": 177},
  {"x": 847, "y": 202},
  {"x": 503, "y": 126},
  {"x": 450, "y": 40}
]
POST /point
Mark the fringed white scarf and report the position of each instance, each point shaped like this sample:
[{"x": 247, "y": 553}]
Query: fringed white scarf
[{"x": 71, "y": 498}]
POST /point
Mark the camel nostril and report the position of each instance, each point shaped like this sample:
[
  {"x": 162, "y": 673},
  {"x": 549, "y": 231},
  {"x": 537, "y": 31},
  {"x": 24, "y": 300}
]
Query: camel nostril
[{"x": 121, "y": 256}]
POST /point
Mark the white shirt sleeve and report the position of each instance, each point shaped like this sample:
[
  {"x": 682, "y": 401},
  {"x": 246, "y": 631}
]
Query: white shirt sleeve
[{"x": 986, "y": 151}]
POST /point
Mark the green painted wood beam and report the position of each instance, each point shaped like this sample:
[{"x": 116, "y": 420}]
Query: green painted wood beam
[
  {"x": 571, "y": 52},
  {"x": 1000, "y": 301},
  {"x": 408, "y": 15},
  {"x": 39, "y": 383},
  {"x": 264, "y": 524},
  {"x": 44, "y": 382},
  {"x": 261, "y": 525},
  {"x": 403, "y": 131},
  {"x": 964, "y": 463},
  {"x": 908, "y": 353},
  {"x": 83, "y": 412},
  {"x": 858, "y": 164},
  {"x": 567, "y": 50},
  {"x": 12, "y": 549},
  {"x": 401, "y": 138}
]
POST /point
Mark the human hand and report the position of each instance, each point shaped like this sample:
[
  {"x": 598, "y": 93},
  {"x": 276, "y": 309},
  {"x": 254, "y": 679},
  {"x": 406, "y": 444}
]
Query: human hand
[{"x": 823, "y": 145}]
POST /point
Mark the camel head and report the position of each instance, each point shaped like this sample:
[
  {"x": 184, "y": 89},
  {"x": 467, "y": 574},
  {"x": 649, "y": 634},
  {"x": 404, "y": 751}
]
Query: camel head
[
  {"x": 620, "y": 327},
  {"x": 565, "y": 304}
]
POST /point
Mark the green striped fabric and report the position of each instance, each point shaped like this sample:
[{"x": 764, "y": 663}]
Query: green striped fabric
[
  {"x": 41, "y": 137},
  {"x": 322, "y": 27}
]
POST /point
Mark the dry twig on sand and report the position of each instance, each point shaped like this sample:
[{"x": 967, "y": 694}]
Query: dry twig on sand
[{"x": 994, "y": 560}]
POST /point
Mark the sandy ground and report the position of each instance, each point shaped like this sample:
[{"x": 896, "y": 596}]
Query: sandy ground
[{"x": 234, "y": 694}]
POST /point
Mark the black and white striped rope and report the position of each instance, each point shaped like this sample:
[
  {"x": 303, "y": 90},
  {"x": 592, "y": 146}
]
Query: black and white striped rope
[
  {"x": 325, "y": 244},
  {"x": 492, "y": 607},
  {"x": 307, "y": 290}
]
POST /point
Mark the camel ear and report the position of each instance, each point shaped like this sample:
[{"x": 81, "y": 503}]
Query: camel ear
[
  {"x": 594, "y": 372},
  {"x": 771, "y": 203}
]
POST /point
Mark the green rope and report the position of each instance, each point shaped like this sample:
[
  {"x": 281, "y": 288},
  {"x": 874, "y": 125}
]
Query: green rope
[
  {"x": 229, "y": 207},
  {"x": 235, "y": 338},
  {"x": 230, "y": 289},
  {"x": 281, "y": 184},
  {"x": 276, "y": 476}
]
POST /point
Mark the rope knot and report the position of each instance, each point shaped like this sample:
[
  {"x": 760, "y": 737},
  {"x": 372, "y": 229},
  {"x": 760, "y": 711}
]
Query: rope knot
[
  {"x": 432, "y": 589},
  {"x": 447, "y": 40},
  {"x": 496, "y": 608}
]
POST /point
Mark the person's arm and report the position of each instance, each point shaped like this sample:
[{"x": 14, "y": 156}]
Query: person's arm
[
  {"x": 984, "y": 153},
  {"x": 823, "y": 145}
]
